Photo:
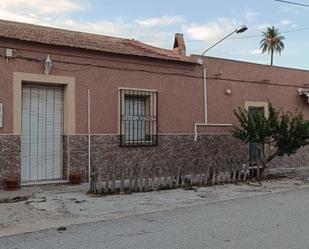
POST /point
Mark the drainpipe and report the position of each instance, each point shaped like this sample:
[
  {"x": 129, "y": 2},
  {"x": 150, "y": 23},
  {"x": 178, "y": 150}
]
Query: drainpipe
[
  {"x": 205, "y": 97},
  {"x": 89, "y": 137},
  {"x": 196, "y": 125}
]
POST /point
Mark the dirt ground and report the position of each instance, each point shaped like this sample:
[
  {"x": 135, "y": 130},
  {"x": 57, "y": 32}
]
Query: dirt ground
[{"x": 54, "y": 206}]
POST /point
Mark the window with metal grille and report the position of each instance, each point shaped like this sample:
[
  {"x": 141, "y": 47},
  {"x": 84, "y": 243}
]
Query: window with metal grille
[{"x": 138, "y": 118}]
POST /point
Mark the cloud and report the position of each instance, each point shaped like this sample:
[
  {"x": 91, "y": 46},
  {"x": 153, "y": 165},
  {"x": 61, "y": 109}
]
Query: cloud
[
  {"x": 263, "y": 26},
  {"x": 42, "y": 7},
  {"x": 211, "y": 30},
  {"x": 161, "y": 21},
  {"x": 255, "y": 51},
  {"x": 249, "y": 15},
  {"x": 98, "y": 27},
  {"x": 286, "y": 22},
  {"x": 281, "y": 24},
  {"x": 48, "y": 13},
  {"x": 290, "y": 9},
  {"x": 42, "y": 12}
]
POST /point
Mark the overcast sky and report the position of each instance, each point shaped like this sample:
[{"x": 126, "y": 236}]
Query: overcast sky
[{"x": 202, "y": 22}]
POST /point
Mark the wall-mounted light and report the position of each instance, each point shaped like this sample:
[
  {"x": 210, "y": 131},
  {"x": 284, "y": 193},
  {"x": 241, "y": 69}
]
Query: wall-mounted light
[
  {"x": 47, "y": 65},
  {"x": 228, "y": 91}
]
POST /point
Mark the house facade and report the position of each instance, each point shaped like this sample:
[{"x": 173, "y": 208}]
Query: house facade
[
  {"x": 106, "y": 101},
  {"x": 78, "y": 102},
  {"x": 232, "y": 84}
]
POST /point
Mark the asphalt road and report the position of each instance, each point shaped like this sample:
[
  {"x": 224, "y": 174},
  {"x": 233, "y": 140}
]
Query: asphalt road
[{"x": 276, "y": 221}]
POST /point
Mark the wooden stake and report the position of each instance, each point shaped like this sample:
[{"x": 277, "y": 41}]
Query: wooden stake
[
  {"x": 122, "y": 180},
  {"x": 147, "y": 175},
  {"x": 113, "y": 180},
  {"x": 131, "y": 180}
]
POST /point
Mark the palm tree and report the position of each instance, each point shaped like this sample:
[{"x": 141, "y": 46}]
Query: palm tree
[{"x": 272, "y": 42}]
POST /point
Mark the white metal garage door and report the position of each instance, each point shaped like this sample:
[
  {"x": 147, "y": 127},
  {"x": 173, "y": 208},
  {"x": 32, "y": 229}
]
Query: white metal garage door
[{"x": 42, "y": 129}]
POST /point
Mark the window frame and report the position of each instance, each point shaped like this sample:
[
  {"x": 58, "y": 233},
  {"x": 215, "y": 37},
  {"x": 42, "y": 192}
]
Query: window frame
[
  {"x": 256, "y": 104},
  {"x": 150, "y": 117}
]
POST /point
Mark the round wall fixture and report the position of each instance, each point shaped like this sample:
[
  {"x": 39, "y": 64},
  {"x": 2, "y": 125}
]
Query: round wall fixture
[{"x": 228, "y": 91}]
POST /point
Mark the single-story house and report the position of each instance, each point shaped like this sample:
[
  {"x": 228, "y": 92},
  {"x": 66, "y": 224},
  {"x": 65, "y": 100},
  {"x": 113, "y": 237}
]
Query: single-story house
[
  {"x": 73, "y": 101},
  {"x": 232, "y": 84}
]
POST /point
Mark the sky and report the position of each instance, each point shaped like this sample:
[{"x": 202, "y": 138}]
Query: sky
[{"x": 203, "y": 22}]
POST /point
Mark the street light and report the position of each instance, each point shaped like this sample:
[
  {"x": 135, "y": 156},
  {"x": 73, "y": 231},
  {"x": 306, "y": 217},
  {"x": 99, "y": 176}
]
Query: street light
[{"x": 238, "y": 30}]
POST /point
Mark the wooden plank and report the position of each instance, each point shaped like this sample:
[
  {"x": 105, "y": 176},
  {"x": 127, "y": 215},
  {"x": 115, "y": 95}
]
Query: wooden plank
[
  {"x": 183, "y": 178},
  {"x": 135, "y": 180},
  {"x": 239, "y": 174},
  {"x": 131, "y": 180},
  {"x": 165, "y": 177},
  {"x": 245, "y": 172},
  {"x": 258, "y": 169},
  {"x": 213, "y": 181},
  {"x": 107, "y": 183},
  {"x": 147, "y": 176},
  {"x": 218, "y": 178},
  {"x": 159, "y": 182},
  {"x": 234, "y": 175},
  {"x": 193, "y": 176},
  {"x": 204, "y": 183},
  {"x": 177, "y": 177},
  {"x": 122, "y": 180},
  {"x": 113, "y": 179},
  {"x": 141, "y": 179},
  {"x": 93, "y": 183},
  {"x": 228, "y": 176},
  {"x": 200, "y": 178},
  {"x": 153, "y": 181}
]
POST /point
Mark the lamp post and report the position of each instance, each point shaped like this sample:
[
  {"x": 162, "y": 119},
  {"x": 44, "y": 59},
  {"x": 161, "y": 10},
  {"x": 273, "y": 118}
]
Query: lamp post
[{"x": 239, "y": 29}]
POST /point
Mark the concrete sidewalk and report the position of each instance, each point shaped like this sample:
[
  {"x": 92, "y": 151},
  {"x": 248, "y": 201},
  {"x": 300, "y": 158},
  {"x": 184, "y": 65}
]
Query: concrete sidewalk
[{"x": 62, "y": 205}]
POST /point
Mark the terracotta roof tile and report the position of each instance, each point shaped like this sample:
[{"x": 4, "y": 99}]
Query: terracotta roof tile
[{"x": 75, "y": 39}]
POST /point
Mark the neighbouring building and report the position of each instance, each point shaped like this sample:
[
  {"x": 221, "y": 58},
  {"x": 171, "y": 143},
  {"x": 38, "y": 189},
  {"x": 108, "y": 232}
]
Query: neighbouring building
[
  {"x": 232, "y": 84},
  {"x": 73, "y": 101}
]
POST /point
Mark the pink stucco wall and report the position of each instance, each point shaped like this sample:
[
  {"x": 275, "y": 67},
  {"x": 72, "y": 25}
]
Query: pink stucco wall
[
  {"x": 252, "y": 82},
  {"x": 179, "y": 85}
]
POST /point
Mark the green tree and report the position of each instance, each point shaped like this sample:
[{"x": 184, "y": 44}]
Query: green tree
[
  {"x": 283, "y": 133},
  {"x": 272, "y": 42}
]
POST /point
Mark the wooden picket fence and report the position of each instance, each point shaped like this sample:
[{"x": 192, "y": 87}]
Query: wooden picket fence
[{"x": 145, "y": 179}]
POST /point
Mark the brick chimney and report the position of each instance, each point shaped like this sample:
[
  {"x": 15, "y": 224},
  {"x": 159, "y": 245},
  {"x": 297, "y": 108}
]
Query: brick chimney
[{"x": 179, "y": 45}]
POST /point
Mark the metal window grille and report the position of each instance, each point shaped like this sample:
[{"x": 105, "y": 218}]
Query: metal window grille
[{"x": 139, "y": 118}]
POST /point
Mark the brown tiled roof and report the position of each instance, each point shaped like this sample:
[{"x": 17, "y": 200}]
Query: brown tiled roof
[{"x": 61, "y": 37}]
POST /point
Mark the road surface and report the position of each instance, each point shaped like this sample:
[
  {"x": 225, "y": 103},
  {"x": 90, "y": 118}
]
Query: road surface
[{"x": 275, "y": 221}]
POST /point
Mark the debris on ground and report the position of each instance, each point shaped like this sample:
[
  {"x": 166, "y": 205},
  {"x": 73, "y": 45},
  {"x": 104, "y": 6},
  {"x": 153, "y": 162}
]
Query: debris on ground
[
  {"x": 190, "y": 188},
  {"x": 79, "y": 201},
  {"x": 37, "y": 200},
  {"x": 60, "y": 229},
  {"x": 14, "y": 199},
  {"x": 255, "y": 184},
  {"x": 61, "y": 206}
]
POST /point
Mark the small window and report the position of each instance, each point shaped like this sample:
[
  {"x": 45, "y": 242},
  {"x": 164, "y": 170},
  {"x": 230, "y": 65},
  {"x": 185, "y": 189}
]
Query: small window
[{"x": 138, "y": 121}]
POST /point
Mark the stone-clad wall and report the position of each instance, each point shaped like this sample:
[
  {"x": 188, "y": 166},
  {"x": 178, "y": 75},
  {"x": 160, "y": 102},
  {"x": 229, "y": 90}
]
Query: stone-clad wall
[
  {"x": 76, "y": 154},
  {"x": 171, "y": 152},
  {"x": 299, "y": 159},
  {"x": 10, "y": 156},
  {"x": 294, "y": 165}
]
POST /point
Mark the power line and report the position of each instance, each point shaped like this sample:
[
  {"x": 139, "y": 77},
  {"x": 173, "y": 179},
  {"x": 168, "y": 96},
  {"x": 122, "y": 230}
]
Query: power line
[
  {"x": 294, "y": 3},
  {"x": 236, "y": 37},
  {"x": 87, "y": 65}
]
